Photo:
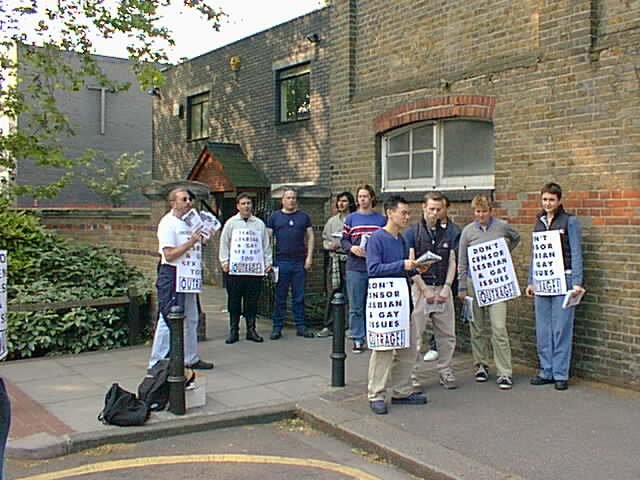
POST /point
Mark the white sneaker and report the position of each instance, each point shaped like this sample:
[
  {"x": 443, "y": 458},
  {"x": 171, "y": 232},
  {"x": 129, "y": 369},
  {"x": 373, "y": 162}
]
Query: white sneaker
[{"x": 431, "y": 356}]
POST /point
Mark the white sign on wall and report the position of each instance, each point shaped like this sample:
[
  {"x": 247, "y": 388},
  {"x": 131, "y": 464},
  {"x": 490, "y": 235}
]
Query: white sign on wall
[
  {"x": 387, "y": 313},
  {"x": 3, "y": 304},
  {"x": 494, "y": 278},
  {"x": 548, "y": 264}
]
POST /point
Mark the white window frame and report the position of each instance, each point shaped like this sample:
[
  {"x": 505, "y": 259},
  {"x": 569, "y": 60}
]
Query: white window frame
[{"x": 439, "y": 182}]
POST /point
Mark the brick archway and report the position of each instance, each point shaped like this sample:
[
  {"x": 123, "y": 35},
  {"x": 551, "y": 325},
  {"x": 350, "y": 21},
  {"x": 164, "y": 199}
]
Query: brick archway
[{"x": 473, "y": 106}]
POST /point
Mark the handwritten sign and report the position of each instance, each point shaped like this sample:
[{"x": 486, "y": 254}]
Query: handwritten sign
[
  {"x": 388, "y": 314},
  {"x": 548, "y": 264},
  {"x": 3, "y": 304},
  {"x": 494, "y": 278},
  {"x": 189, "y": 271},
  {"x": 246, "y": 256}
]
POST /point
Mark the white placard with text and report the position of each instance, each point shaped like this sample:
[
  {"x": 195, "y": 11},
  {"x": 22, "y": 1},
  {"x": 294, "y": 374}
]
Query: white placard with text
[
  {"x": 548, "y": 264},
  {"x": 494, "y": 278},
  {"x": 246, "y": 256},
  {"x": 3, "y": 304},
  {"x": 387, "y": 313}
]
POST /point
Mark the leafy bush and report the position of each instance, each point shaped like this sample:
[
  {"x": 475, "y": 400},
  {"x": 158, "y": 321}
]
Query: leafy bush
[{"x": 43, "y": 267}]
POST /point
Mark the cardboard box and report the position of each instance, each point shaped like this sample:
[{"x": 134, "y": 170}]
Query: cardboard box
[{"x": 196, "y": 393}]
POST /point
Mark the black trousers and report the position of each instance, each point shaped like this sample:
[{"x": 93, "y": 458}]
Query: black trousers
[
  {"x": 243, "y": 292},
  {"x": 5, "y": 422}
]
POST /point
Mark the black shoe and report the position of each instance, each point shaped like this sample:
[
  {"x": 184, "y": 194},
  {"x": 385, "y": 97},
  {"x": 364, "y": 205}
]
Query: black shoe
[
  {"x": 538, "y": 380},
  {"x": 254, "y": 337},
  {"x": 305, "y": 332},
  {"x": 358, "y": 347},
  {"x": 275, "y": 335},
  {"x": 232, "y": 338},
  {"x": 414, "y": 398},
  {"x": 378, "y": 407},
  {"x": 201, "y": 365},
  {"x": 562, "y": 384}
]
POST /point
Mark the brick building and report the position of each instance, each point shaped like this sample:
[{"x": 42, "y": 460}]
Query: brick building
[{"x": 461, "y": 96}]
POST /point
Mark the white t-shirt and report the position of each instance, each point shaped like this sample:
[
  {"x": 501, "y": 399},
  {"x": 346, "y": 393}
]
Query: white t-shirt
[{"x": 172, "y": 232}]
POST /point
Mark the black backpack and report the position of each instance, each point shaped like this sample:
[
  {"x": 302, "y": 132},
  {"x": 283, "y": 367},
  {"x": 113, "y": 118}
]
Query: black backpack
[
  {"x": 122, "y": 408},
  {"x": 154, "y": 389}
]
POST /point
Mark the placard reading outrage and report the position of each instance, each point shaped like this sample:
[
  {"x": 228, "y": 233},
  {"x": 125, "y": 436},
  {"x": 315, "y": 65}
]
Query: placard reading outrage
[
  {"x": 388, "y": 313},
  {"x": 548, "y": 264},
  {"x": 492, "y": 273},
  {"x": 246, "y": 256}
]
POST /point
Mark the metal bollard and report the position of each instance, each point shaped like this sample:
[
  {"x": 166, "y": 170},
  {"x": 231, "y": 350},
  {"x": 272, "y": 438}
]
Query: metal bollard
[
  {"x": 337, "y": 355},
  {"x": 176, "y": 361}
]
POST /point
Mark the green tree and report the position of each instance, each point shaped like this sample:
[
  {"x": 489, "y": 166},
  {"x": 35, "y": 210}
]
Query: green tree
[
  {"x": 60, "y": 26},
  {"x": 115, "y": 180}
]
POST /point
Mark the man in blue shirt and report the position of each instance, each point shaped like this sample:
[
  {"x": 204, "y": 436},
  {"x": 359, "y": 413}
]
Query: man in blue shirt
[
  {"x": 291, "y": 227},
  {"x": 387, "y": 256}
]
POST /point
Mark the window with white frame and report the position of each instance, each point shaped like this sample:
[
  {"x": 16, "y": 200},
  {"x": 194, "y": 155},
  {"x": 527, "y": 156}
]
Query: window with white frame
[
  {"x": 294, "y": 93},
  {"x": 445, "y": 154},
  {"x": 197, "y": 116}
]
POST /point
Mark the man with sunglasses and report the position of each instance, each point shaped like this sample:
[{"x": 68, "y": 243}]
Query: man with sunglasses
[{"x": 175, "y": 240}]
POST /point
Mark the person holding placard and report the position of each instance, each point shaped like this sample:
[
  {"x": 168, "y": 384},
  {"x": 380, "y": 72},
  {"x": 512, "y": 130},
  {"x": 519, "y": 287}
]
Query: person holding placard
[
  {"x": 179, "y": 246},
  {"x": 245, "y": 256},
  {"x": 388, "y": 313},
  {"x": 335, "y": 268},
  {"x": 487, "y": 228},
  {"x": 358, "y": 227},
  {"x": 431, "y": 291},
  {"x": 555, "y": 271},
  {"x": 294, "y": 241}
]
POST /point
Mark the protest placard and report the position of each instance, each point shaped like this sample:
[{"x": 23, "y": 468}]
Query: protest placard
[
  {"x": 494, "y": 278},
  {"x": 3, "y": 304},
  {"x": 548, "y": 264},
  {"x": 246, "y": 256},
  {"x": 189, "y": 271},
  {"x": 387, "y": 313}
]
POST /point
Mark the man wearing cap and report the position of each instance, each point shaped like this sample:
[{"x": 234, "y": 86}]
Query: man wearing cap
[{"x": 176, "y": 240}]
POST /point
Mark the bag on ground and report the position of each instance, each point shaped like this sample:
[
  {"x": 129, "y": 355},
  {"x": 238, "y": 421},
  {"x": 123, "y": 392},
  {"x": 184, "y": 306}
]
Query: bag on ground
[
  {"x": 154, "y": 389},
  {"x": 122, "y": 408}
]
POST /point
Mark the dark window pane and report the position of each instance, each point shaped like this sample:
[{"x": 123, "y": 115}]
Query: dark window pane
[
  {"x": 198, "y": 108},
  {"x": 295, "y": 93},
  {"x": 469, "y": 148},
  {"x": 422, "y": 165},
  {"x": 423, "y": 138},
  {"x": 399, "y": 143},
  {"x": 398, "y": 167}
]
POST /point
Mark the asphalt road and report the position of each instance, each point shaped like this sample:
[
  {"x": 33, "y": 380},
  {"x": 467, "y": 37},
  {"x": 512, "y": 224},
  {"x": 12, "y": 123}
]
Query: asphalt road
[{"x": 285, "y": 450}]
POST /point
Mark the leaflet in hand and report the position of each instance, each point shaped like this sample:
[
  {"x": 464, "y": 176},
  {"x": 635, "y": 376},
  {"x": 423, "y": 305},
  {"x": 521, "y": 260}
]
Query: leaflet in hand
[
  {"x": 205, "y": 221},
  {"x": 428, "y": 258},
  {"x": 572, "y": 298},
  {"x": 466, "y": 313},
  {"x": 210, "y": 224}
]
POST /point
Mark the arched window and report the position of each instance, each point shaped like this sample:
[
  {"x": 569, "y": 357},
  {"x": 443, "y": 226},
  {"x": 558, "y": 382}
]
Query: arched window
[{"x": 445, "y": 154}]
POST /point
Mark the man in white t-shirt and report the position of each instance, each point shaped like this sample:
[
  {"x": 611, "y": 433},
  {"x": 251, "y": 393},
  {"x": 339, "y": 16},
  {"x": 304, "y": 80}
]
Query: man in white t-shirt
[{"x": 176, "y": 240}]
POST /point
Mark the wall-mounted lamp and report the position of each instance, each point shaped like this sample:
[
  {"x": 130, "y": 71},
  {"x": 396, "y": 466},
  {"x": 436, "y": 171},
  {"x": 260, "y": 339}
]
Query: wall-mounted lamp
[
  {"x": 154, "y": 92},
  {"x": 313, "y": 38},
  {"x": 235, "y": 62}
]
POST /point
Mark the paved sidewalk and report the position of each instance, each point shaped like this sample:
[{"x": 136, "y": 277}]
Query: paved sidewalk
[{"x": 475, "y": 432}]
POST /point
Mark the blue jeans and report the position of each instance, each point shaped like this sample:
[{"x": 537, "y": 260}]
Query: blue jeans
[
  {"x": 5, "y": 423},
  {"x": 357, "y": 292},
  {"x": 554, "y": 335},
  {"x": 291, "y": 273}
]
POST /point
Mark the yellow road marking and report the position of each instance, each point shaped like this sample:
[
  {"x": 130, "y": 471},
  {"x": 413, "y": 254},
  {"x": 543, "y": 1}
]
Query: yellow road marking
[{"x": 212, "y": 458}]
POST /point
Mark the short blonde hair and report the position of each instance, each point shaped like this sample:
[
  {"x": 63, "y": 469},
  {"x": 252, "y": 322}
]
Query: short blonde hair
[{"x": 481, "y": 201}]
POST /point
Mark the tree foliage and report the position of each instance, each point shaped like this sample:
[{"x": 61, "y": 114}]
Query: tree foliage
[
  {"x": 69, "y": 26},
  {"x": 44, "y": 268}
]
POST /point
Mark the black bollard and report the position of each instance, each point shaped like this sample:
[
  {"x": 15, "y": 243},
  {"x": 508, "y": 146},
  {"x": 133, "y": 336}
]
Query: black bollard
[
  {"x": 176, "y": 361},
  {"x": 337, "y": 355}
]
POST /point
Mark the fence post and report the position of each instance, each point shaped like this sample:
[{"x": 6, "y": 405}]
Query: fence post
[
  {"x": 337, "y": 355},
  {"x": 176, "y": 361}
]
